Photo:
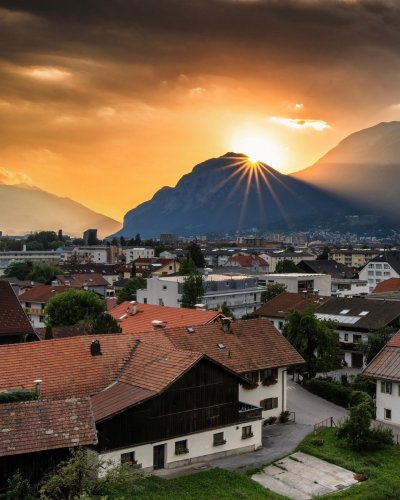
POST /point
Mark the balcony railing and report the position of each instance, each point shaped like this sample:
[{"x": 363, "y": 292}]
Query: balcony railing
[{"x": 249, "y": 412}]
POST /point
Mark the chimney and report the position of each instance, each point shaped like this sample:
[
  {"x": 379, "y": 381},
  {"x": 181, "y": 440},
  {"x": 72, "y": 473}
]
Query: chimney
[
  {"x": 24, "y": 248},
  {"x": 95, "y": 348},
  {"x": 37, "y": 386},
  {"x": 226, "y": 324},
  {"x": 200, "y": 307},
  {"x": 133, "y": 307},
  {"x": 158, "y": 324}
]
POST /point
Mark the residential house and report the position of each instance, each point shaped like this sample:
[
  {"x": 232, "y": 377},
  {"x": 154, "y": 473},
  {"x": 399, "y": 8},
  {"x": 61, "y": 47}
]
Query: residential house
[
  {"x": 134, "y": 317},
  {"x": 100, "y": 254},
  {"x": 344, "y": 281},
  {"x": 15, "y": 326},
  {"x": 355, "y": 318},
  {"x": 92, "y": 281},
  {"x": 239, "y": 292},
  {"x": 353, "y": 257},
  {"x": 276, "y": 309},
  {"x": 132, "y": 254},
  {"x": 34, "y": 301},
  {"x": 154, "y": 404},
  {"x": 251, "y": 262},
  {"x": 320, "y": 284},
  {"x": 273, "y": 257},
  {"x": 389, "y": 288},
  {"x": 156, "y": 266},
  {"x": 110, "y": 272},
  {"x": 13, "y": 256},
  {"x": 382, "y": 267},
  {"x": 385, "y": 369}
]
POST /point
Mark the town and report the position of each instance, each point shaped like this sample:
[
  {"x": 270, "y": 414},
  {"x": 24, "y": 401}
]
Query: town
[{"x": 175, "y": 355}]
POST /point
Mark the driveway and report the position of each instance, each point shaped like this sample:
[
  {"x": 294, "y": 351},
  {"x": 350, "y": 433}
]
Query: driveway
[{"x": 311, "y": 409}]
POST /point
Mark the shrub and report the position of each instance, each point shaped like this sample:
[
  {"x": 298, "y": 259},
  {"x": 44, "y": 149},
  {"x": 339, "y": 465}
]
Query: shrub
[
  {"x": 361, "y": 383},
  {"x": 358, "y": 397},
  {"x": 332, "y": 391},
  {"x": 317, "y": 442},
  {"x": 284, "y": 417},
  {"x": 16, "y": 396},
  {"x": 272, "y": 420}
]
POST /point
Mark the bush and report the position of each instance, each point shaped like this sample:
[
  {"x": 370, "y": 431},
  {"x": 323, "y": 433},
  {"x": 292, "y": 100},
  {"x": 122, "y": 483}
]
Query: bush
[
  {"x": 272, "y": 420},
  {"x": 332, "y": 391},
  {"x": 16, "y": 396},
  {"x": 284, "y": 417},
  {"x": 317, "y": 442},
  {"x": 361, "y": 383},
  {"x": 358, "y": 397}
]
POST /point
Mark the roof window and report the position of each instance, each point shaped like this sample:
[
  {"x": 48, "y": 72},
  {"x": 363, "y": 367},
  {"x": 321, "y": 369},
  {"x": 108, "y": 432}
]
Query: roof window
[
  {"x": 344, "y": 311},
  {"x": 190, "y": 329},
  {"x": 363, "y": 313},
  {"x": 221, "y": 346}
]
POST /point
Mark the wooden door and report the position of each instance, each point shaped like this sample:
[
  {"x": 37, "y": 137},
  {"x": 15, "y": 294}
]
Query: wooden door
[{"x": 159, "y": 456}]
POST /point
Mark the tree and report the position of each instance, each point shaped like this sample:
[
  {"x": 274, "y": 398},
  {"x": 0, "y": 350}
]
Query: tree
[
  {"x": 316, "y": 340},
  {"x": 193, "y": 289},
  {"x": 43, "y": 240},
  {"x": 289, "y": 249},
  {"x": 42, "y": 272},
  {"x": 287, "y": 266},
  {"x": 122, "y": 241},
  {"x": 196, "y": 255},
  {"x": 376, "y": 341},
  {"x": 82, "y": 476},
  {"x": 104, "y": 323},
  {"x": 272, "y": 290},
  {"x": 73, "y": 307},
  {"x": 325, "y": 254},
  {"x": 187, "y": 267},
  {"x": 138, "y": 240},
  {"x": 130, "y": 288},
  {"x": 225, "y": 310}
]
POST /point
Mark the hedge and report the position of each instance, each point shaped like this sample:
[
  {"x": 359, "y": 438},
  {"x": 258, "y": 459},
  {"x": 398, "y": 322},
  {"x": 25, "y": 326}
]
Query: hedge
[{"x": 334, "y": 392}]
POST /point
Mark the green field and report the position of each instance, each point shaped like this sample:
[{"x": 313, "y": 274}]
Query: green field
[{"x": 381, "y": 467}]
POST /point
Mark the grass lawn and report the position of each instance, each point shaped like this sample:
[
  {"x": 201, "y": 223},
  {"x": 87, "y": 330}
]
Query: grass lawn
[
  {"x": 215, "y": 484},
  {"x": 382, "y": 467}
]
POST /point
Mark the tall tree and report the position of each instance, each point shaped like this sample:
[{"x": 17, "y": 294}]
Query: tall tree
[
  {"x": 287, "y": 266},
  {"x": 194, "y": 289},
  {"x": 73, "y": 307},
  {"x": 272, "y": 290},
  {"x": 376, "y": 341},
  {"x": 130, "y": 288},
  {"x": 104, "y": 323},
  {"x": 316, "y": 340},
  {"x": 196, "y": 255}
]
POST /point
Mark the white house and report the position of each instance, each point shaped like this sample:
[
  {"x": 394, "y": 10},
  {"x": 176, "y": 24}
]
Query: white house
[
  {"x": 385, "y": 369},
  {"x": 239, "y": 292},
  {"x": 132, "y": 254},
  {"x": 300, "y": 282},
  {"x": 384, "y": 266},
  {"x": 273, "y": 257}
]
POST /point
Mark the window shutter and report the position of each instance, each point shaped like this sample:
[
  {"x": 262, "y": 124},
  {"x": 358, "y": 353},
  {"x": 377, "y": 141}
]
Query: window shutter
[{"x": 275, "y": 403}]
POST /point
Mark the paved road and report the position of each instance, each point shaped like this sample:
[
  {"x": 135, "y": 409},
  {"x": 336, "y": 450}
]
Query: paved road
[{"x": 311, "y": 409}]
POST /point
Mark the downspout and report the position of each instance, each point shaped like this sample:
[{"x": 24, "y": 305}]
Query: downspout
[{"x": 283, "y": 388}]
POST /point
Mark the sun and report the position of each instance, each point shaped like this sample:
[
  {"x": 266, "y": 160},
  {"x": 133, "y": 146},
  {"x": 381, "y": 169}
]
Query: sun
[{"x": 259, "y": 147}]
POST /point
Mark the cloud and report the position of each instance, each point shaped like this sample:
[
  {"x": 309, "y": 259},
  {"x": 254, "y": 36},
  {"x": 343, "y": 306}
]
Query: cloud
[
  {"x": 11, "y": 178},
  {"x": 298, "y": 123}
]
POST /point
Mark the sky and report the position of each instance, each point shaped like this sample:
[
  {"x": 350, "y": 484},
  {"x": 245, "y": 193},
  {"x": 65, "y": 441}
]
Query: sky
[{"x": 107, "y": 101}]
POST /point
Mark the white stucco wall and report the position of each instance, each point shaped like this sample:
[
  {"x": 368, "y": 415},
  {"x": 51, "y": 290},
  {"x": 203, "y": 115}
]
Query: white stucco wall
[
  {"x": 199, "y": 445},
  {"x": 388, "y": 401},
  {"x": 255, "y": 396}
]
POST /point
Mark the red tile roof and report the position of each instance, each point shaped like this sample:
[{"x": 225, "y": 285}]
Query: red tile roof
[
  {"x": 390, "y": 285},
  {"x": 172, "y": 316},
  {"x": 386, "y": 364},
  {"x": 45, "y": 424},
  {"x": 13, "y": 320},
  {"x": 280, "y": 305},
  {"x": 42, "y": 293},
  {"x": 248, "y": 260},
  {"x": 253, "y": 344}
]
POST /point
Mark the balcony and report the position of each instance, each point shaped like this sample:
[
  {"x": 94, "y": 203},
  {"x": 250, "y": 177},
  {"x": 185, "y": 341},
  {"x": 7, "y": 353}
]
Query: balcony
[{"x": 249, "y": 412}]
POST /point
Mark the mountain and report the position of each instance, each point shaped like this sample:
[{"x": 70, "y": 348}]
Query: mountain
[
  {"x": 24, "y": 209},
  {"x": 223, "y": 195},
  {"x": 364, "y": 167}
]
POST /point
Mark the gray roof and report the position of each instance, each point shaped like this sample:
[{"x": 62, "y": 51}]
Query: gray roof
[{"x": 360, "y": 313}]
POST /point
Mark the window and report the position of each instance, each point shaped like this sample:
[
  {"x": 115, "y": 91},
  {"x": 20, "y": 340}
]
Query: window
[
  {"x": 218, "y": 439},
  {"x": 164, "y": 287},
  {"x": 280, "y": 325},
  {"x": 128, "y": 458},
  {"x": 247, "y": 432},
  {"x": 27, "y": 304},
  {"x": 144, "y": 300},
  {"x": 378, "y": 266},
  {"x": 181, "y": 447},
  {"x": 387, "y": 414},
  {"x": 386, "y": 273},
  {"x": 378, "y": 273},
  {"x": 252, "y": 377},
  {"x": 356, "y": 338},
  {"x": 370, "y": 273},
  {"x": 386, "y": 266},
  {"x": 269, "y": 403},
  {"x": 386, "y": 387},
  {"x": 344, "y": 311},
  {"x": 346, "y": 337}
]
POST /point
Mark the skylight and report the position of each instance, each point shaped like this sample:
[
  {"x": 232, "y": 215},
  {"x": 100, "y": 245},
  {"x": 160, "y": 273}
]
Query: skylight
[
  {"x": 221, "y": 346},
  {"x": 363, "y": 313},
  {"x": 190, "y": 329},
  {"x": 344, "y": 311}
]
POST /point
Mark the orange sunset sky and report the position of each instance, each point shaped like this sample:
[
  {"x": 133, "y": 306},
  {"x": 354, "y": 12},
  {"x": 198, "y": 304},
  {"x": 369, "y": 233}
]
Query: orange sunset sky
[{"x": 107, "y": 101}]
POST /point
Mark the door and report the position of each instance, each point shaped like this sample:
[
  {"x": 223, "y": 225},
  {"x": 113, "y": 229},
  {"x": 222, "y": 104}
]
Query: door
[
  {"x": 356, "y": 360},
  {"x": 159, "y": 456}
]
